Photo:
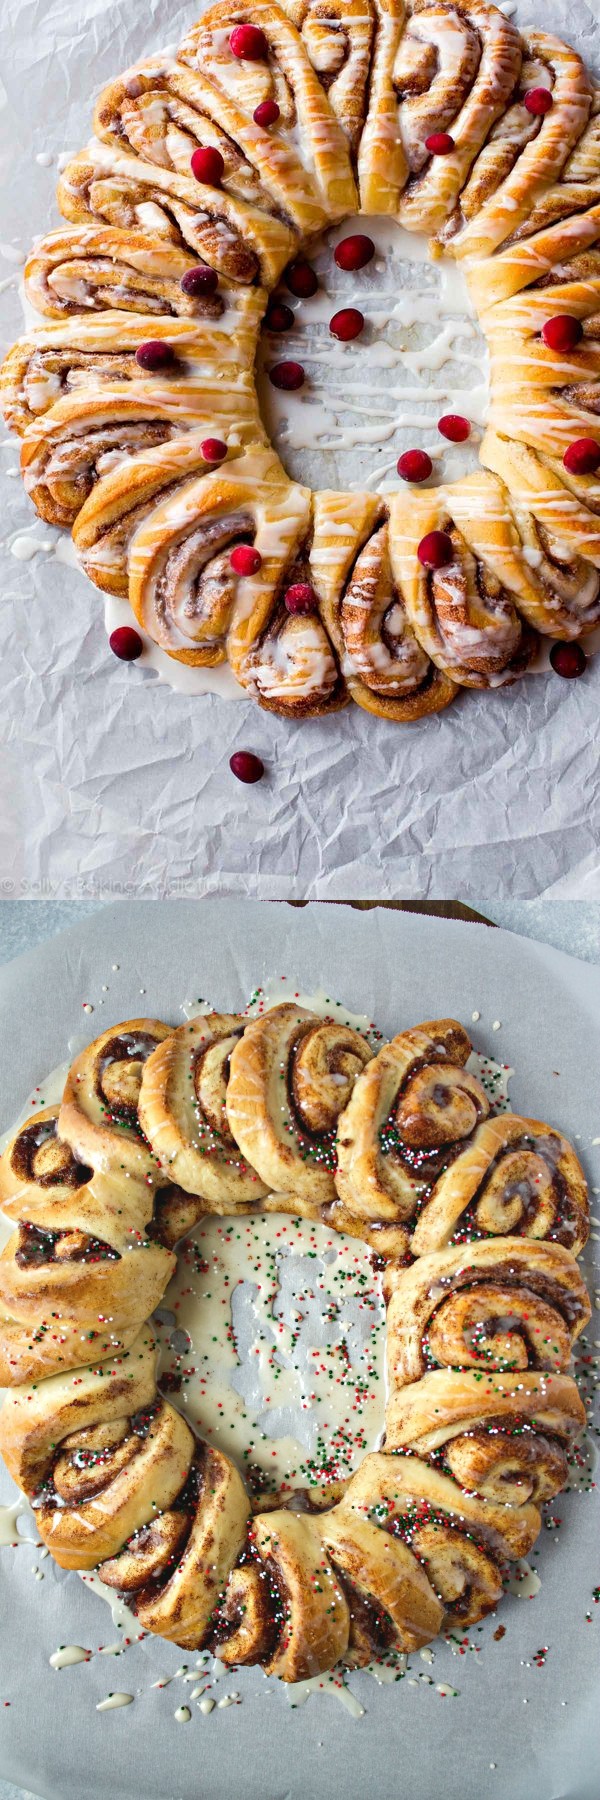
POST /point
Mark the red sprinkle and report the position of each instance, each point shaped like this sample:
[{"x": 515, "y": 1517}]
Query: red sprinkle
[
  {"x": 347, "y": 324},
  {"x": 300, "y": 598},
  {"x": 562, "y": 332},
  {"x": 582, "y": 457},
  {"x": 435, "y": 550},
  {"x": 246, "y": 766},
  {"x": 207, "y": 165},
  {"x": 213, "y": 450},
  {"x": 287, "y": 375},
  {"x": 245, "y": 560},
  {"x": 200, "y": 280},
  {"x": 538, "y": 101},
  {"x": 568, "y": 660},
  {"x": 279, "y": 317},
  {"x": 454, "y": 427},
  {"x": 126, "y": 643},
  {"x": 266, "y": 114},
  {"x": 354, "y": 252},
  {"x": 155, "y": 355},
  {"x": 248, "y": 43},
  {"x": 301, "y": 279},
  {"x": 439, "y": 143},
  {"x": 414, "y": 465}
]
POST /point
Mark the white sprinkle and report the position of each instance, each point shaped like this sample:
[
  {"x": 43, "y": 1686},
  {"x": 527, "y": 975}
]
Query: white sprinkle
[
  {"x": 86, "y": 1007},
  {"x": 44, "y": 159},
  {"x": 115, "y": 966},
  {"x": 496, "y": 1025},
  {"x": 475, "y": 1016}
]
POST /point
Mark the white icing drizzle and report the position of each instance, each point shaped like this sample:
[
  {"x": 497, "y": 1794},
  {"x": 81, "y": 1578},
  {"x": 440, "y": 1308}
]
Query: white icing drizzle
[
  {"x": 68, "y": 1655},
  {"x": 113, "y": 1700},
  {"x": 421, "y": 355},
  {"x": 523, "y": 1582}
]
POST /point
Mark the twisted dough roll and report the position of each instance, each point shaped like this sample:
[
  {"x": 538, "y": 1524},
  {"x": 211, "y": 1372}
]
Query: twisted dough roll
[
  {"x": 291, "y": 1075},
  {"x": 286, "y": 77},
  {"x": 415, "y": 1145},
  {"x": 105, "y": 186},
  {"x": 81, "y": 1274},
  {"x": 98, "y": 1117},
  {"x": 64, "y": 358},
  {"x": 163, "y": 112},
  {"x": 566, "y": 511},
  {"x": 102, "y": 266},
  {"x": 513, "y": 1304},
  {"x": 183, "y": 1113},
  {"x": 464, "y": 613},
  {"x": 499, "y": 1437},
  {"x": 507, "y": 197},
  {"x": 123, "y": 499},
  {"x": 385, "y": 668},
  {"x": 184, "y": 591}
]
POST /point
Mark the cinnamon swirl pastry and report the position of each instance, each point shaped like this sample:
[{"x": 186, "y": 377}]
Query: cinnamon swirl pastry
[
  {"x": 507, "y": 196},
  {"x": 104, "y": 186},
  {"x": 74, "y": 272},
  {"x": 511, "y": 1304},
  {"x": 385, "y": 668},
  {"x": 122, "y": 499},
  {"x": 67, "y": 357},
  {"x": 291, "y": 1075},
  {"x": 565, "y": 508},
  {"x": 182, "y": 1111},
  {"x": 187, "y": 595},
  {"x": 282, "y": 75},
  {"x": 451, "y": 551},
  {"x": 85, "y": 436},
  {"x": 163, "y": 112},
  {"x": 481, "y": 1413},
  {"x": 452, "y": 70}
]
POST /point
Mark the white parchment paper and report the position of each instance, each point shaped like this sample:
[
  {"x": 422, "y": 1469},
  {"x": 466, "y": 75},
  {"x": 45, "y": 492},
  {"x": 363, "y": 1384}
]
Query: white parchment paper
[
  {"x": 514, "y": 1731},
  {"x": 114, "y": 785}
]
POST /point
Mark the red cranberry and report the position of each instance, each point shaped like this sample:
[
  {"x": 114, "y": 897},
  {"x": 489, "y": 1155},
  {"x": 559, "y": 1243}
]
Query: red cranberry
[
  {"x": 454, "y": 427},
  {"x": 439, "y": 143},
  {"x": 200, "y": 280},
  {"x": 301, "y": 280},
  {"x": 266, "y": 114},
  {"x": 248, "y": 43},
  {"x": 213, "y": 450},
  {"x": 279, "y": 317},
  {"x": 562, "y": 332},
  {"x": 568, "y": 660},
  {"x": 287, "y": 375},
  {"x": 207, "y": 165},
  {"x": 354, "y": 252},
  {"x": 582, "y": 457},
  {"x": 347, "y": 324},
  {"x": 300, "y": 598},
  {"x": 245, "y": 560},
  {"x": 414, "y": 465},
  {"x": 435, "y": 550},
  {"x": 126, "y": 643},
  {"x": 538, "y": 101},
  {"x": 246, "y": 766},
  {"x": 155, "y": 355}
]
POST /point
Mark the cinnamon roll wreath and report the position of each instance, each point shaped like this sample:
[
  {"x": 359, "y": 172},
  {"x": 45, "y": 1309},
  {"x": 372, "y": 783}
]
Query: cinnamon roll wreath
[
  {"x": 475, "y": 1219},
  {"x": 208, "y": 172}
]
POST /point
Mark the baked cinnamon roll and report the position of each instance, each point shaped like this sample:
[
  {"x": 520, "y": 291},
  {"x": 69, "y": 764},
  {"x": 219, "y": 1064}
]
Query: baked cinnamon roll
[
  {"x": 99, "y": 1116},
  {"x": 162, "y": 112},
  {"x": 67, "y": 357},
  {"x": 339, "y": 39},
  {"x": 501, "y": 1437},
  {"x": 555, "y": 256},
  {"x": 284, "y": 75},
  {"x": 452, "y": 69},
  {"x": 516, "y": 1175},
  {"x": 451, "y": 554},
  {"x": 105, "y": 186},
  {"x": 508, "y": 1304},
  {"x": 93, "y": 268},
  {"x": 566, "y": 510},
  {"x": 183, "y": 1113},
  {"x": 384, "y": 666},
  {"x": 291, "y": 1075},
  {"x": 507, "y": 196}
]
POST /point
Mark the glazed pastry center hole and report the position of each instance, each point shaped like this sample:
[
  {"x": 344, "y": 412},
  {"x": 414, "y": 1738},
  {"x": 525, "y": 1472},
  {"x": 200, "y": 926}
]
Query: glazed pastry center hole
[
  {"x": 277, "y": 1355},
  {"x": 420, "y": 356}
]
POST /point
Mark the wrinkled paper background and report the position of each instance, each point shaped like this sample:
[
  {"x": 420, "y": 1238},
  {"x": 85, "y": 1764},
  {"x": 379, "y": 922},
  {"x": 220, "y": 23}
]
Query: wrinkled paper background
[
  {"x": 114, "y": 785},
  {"x": 410, "y": 1742}
]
